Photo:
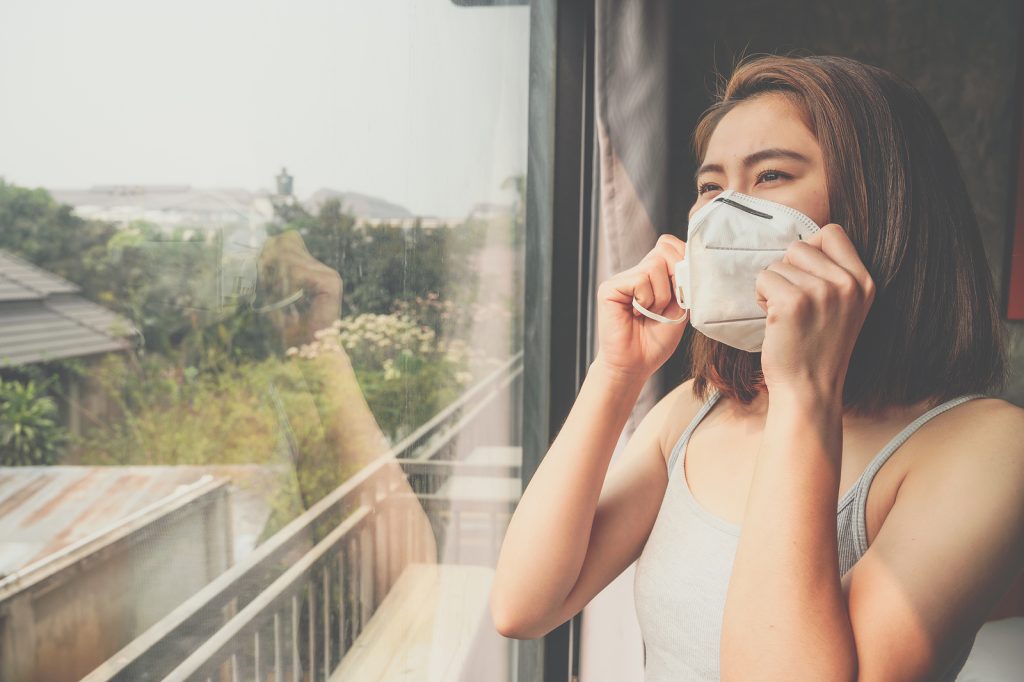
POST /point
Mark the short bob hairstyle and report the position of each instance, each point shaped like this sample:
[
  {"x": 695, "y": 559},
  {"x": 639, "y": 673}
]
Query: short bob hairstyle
[{"x": 896, "y": 188}]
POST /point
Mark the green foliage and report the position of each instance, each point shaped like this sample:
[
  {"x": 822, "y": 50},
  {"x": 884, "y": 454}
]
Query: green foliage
[
  {"x": 271, "y": 412},
  {"x": 210, "y": 386},
  {"x": 200, "y": 392},
  {"x": 29, "y": 433},
  {"x": 169, "y": 414},
  {"x": 49, "y": 235},
  {"x": 386, "y": 264},
  {"x": 407, "y": 373}
]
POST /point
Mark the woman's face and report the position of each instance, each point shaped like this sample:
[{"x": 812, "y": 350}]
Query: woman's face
[{"x": 763, "y": 148}]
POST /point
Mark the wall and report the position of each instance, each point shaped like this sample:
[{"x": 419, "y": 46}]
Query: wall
[
  {"x": 64, "y": 620},
  {"x": 962, "y": 56}
]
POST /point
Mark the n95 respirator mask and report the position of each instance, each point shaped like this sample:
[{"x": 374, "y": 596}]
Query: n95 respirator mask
[{"x": 730, "y": 240}]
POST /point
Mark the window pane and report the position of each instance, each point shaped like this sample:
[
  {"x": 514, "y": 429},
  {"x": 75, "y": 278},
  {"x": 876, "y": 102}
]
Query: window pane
[{"x": 260, "y": 336}]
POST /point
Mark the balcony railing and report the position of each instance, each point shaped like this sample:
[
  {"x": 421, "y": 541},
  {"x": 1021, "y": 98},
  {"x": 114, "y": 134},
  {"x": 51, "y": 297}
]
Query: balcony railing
[{"x": 296, "y": 604}]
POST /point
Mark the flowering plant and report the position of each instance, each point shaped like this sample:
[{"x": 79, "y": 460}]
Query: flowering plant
[{"x": 394, "y": 345}]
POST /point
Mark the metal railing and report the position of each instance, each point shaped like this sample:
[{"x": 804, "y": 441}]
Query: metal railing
[{"x": 296, "y": 604}]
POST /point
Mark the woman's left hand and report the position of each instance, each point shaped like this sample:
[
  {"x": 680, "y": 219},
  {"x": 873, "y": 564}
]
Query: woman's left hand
[{"x": 816, "y": 299}]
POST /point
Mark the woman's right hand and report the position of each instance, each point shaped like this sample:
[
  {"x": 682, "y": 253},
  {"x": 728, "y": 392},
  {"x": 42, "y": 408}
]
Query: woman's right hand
[{"x": 630, "y": 343}]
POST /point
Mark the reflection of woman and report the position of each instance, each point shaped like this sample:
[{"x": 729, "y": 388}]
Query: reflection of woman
[
  {"x": 355, "y": 438},
  {"x": 886, "y": 313}
]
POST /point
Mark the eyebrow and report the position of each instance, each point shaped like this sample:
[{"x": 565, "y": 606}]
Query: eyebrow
[{"x": 756, "y": 157}]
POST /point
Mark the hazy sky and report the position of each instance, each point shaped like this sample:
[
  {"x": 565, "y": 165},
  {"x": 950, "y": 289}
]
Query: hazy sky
[{"x": 418, "y": 102}]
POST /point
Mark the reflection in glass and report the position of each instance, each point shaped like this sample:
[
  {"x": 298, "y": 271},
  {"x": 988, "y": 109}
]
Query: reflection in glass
[{"x": 267, "y": 433}]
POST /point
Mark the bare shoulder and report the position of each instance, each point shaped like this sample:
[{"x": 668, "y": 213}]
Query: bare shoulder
[
  {"x": 675, "y": 412},
  {"x": 984, "y": 436}
]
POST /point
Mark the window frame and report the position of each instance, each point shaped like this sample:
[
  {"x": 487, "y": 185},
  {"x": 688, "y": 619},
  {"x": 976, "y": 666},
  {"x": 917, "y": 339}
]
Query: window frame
[{"x": 560, "y": 257}]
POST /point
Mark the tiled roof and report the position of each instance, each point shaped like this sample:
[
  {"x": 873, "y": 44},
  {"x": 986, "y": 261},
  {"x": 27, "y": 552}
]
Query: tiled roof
[{"x": 42, "y": 318}]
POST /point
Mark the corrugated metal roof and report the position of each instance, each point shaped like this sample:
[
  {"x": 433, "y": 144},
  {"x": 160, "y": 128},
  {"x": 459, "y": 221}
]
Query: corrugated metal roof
[
  {"x": 90, "y": 314},
  {"x": 46, "y": 508},
  {"x": 43, "y": 509},
  {"x": 12, "y": 291},
  {"x": 28, "y": 276},
  {"x": 41, "y": 319},
  {"x": 40, "y": 334}
]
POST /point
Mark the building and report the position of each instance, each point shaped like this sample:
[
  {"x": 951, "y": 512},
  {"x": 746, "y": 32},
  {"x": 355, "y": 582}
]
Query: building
[{"x": 42, "y": 318}]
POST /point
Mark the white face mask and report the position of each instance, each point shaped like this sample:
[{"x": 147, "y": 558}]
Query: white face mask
[{"x": 730, "y": 240}]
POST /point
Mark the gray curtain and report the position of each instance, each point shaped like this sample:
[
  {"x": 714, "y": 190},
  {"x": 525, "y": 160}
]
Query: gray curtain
[
  {"x": 637, "y": 144},
  {"x": 637, "y": 149}
]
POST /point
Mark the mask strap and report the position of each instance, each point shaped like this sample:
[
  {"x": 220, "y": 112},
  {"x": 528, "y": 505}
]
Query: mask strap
[{"x": 659, "y": 318}]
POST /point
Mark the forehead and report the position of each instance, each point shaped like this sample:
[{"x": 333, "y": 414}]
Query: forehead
[{"x": 766, "y": 121}]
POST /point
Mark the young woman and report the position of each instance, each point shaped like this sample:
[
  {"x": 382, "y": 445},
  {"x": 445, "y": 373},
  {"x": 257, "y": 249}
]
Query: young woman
[{"x": 851, "y": 506}]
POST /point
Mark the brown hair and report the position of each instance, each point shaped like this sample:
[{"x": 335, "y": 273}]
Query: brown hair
[{"x": 896, "y": 188}]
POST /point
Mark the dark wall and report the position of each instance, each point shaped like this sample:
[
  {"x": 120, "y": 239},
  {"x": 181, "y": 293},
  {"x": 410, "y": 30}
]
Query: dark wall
[{"x": 962, "y": 55}]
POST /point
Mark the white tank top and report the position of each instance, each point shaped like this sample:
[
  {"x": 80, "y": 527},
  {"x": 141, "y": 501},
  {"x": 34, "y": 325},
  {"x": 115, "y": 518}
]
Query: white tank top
[{"x": 683, "y": 571}]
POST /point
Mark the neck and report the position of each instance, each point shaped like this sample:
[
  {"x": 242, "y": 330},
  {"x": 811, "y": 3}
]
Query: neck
[{"x": 758, "y": 409}]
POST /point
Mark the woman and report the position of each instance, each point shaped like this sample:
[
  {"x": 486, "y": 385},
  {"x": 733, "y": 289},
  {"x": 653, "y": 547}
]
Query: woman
[{"x": 881, "y": 333}]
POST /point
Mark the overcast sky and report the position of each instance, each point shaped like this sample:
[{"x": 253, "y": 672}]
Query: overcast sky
[{"x": 415, "y": 101}]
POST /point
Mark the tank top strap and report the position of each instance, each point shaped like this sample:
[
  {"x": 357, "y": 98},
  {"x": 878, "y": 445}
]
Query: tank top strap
[
  {"x": 681, "y": 443},
  {"x": 881, "y": 458},
  {"x": 864, "y": 482}
]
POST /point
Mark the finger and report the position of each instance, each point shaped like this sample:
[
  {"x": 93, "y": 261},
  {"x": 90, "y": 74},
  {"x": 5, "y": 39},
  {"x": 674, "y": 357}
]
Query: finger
[
  {"x": 325, "y": 307},
  {"x": 643, "y": 292},
  {"x": 630, "y": 284},
  {"x": 813, "y": 260},
  {"x": 801, "y": 279},
  {"x": 814, "y": 239},
  {"x": 675, "y": 246},
  {"x": 836, "y": 244},
  {"x": 659, "y": 276},
  {"x": 771, "y": 285}
]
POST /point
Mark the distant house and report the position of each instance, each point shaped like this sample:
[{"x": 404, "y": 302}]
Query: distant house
[
  {"x": 42, "y": 318},
  {"x": 243, "y": 213},
  {"x": 171, "y": 206},
  {"x": 490, "y": 211},
  {"x": 362, "y": 206}
]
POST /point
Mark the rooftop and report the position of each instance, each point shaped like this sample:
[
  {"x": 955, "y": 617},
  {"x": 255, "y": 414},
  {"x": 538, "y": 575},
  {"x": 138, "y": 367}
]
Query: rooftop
[{"x": 42, "y": 318}]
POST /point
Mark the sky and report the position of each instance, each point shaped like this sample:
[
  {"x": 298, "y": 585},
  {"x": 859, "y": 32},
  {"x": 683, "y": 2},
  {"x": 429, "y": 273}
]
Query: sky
[{"x": 418, "y": 102}]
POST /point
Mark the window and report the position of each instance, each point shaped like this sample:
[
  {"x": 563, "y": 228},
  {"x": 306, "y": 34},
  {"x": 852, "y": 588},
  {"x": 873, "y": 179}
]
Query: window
[{"x": 262, "y": 312}]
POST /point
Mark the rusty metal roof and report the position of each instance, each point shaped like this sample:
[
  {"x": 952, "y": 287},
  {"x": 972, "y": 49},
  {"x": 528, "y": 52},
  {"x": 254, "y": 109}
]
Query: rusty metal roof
[{"x": 44, "y": 509}]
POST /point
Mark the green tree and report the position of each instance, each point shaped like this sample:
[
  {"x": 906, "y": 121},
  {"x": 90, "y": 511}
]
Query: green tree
[
  {"x": 49, "y": 235},
  {"x": 29, "y": 433}
]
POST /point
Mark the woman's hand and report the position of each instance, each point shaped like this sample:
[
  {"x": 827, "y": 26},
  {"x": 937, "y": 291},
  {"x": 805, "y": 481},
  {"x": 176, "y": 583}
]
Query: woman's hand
[
  {"x": 285, "y": 265},
  {"x": 631, "y": 344},
  {"x": 816, "y": 299}
]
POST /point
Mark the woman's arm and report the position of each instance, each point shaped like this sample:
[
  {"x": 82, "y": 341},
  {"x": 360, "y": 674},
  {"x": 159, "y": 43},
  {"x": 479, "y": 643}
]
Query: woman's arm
[
  {"x": 547, "y": 538},
  {"x": 785, "y": 615},
  {"x": 949, "y": 547}
]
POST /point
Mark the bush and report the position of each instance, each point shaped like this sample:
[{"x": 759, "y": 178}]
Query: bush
[
  {"x": 29, "y": 432},
  {"x": 406, "y": 372}
]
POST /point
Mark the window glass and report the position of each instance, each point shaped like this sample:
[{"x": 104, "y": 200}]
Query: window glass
[{"x": 261, "y": 284}]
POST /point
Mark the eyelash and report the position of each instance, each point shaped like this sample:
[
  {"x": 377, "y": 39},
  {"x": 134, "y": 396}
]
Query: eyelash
[{"x": 703, "y": 186}]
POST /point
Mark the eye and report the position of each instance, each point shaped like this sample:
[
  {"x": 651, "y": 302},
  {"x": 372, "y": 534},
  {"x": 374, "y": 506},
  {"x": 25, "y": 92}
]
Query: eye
[
  {"x": 768, "y": 175},
  {"x": 771, "y": 172}
]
